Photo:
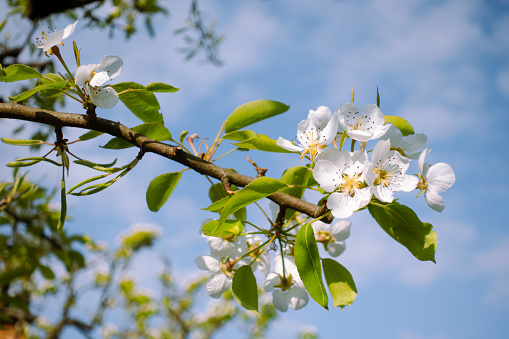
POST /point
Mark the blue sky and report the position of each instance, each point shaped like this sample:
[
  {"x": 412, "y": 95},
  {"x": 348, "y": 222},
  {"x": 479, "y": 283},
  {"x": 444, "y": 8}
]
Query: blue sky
[{"x": 442, "y": 65}]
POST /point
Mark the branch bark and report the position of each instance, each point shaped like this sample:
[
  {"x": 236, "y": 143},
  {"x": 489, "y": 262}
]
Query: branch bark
[{"x": 116, "y": 129}]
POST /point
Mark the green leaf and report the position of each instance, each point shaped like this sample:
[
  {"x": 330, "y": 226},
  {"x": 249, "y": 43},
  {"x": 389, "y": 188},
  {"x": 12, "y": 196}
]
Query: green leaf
[
  {"x": 403, "y": 125},
  {"x": 47, "y": 272},
  {"x": 245, "y": 290},
  {"x": 261, "y": 143},
  {"x": 217, "y": 192},
  {"x": 63, "y": 203},
  {"x": 253, "y": 112},
  {"x": 403, "y": 225},
  {"x": 161, "y": 87},
  {"x": 183, "y": 135},
  {"x": 139, "y": 101},
  {"x": 19, "y": 72},
  {"x": 99, "y": 167},
  {"x": 377, "y": 98},
  {"x": 29, "y": 93},
  {"x": 218, "y": 205},
  {"x": 90, "y": 135},
  {"x": 21, "y": 142},
  {"x": 23, "y": 162},
  {"x": 160, "y": 189},
  {"x": 152, "y": 130},
  {"x": 51, "y": 78},
  {"x": 307, "y": 260},
  {"x": 256, "y": 190},
  {"x": 340, "y": 282},
  {"x": 298, "y": 175},
  {"x": 240, "y": 135},
  {"x": 229, "y": 227}
]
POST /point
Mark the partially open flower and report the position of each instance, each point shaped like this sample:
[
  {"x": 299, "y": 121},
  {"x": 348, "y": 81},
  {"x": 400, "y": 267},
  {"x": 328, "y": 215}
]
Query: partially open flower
[{"x": 53, "y": 38}]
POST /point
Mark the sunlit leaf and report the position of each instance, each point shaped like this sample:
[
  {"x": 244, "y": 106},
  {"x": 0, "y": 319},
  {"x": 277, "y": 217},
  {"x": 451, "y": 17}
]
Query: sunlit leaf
[
  {"x": 403, "y": 225},
  {"x": 228, "y": 227},
  {"x": 403, "y": 125},
  {"x": 244, "y": 288},
  {"x": 152, "y": 130},
  {"x": 261, "y": 143},
  {"x": 160, "y": 189},
  {"x": 253, "y": 112},
  {"x": 161, "y": 87},
  {"x": 21, "y": 142},
  {"x": 217, "y": 192},
  {"x": 307, "y": 260},
  {"x": 18, "y": 72},
  {"x": 340, "y": 282},
  {"x": 29, "y": 93},
  {"x": 139, "y": 101}
]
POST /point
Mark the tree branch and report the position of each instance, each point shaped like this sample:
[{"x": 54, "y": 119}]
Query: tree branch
[{"x": 116, "y": 129}]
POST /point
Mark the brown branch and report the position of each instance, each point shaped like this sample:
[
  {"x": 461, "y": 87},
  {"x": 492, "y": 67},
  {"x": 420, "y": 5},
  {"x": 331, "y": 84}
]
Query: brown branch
[{"x": 116, "y": 129}]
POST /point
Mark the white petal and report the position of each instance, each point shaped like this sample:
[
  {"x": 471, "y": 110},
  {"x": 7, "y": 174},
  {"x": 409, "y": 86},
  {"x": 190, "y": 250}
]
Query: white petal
[
  {"x": 112, "y": 65},
  {"x": 394, "y": 135},
  {"x": 340, "y": 231},
  {"x": 99, "y": 79},
  {"x": 360, "y": 135},
  {"x": 320, "y": 117},
  {"x": 414, "y": 143},
  {"x": 217, "y": 284},
  {"x": 280, "y": 300},
  {"x": 326, "y": 174},
  {"x": 330, "y": 131},
  {"x": 298, "y": 297},
  {"x": 104, "y": 97},
  {"x": 207, "y": 263},
  {"x": 288, "y": 145},
  {"x": 420, "y": 162},
  {"x": 53, "y": 40},
  {"x": 272, "y": 280},
  {"x": 339, "y": 205},
  {"x": 408, "y": 183},
  {"x": 379, "y": 152},
  {"x": 383, "y": 193},
  {"x": 69, "y": 29},
  {"x": 319, "y": 226},
  {"x": 434, "y": 200},
  {"x": 263, "y": 262},
  {"x": 440, "y": 177},
  {"x": 335, "y": 249},
  {"x": 84, "y": 74},
  {"x": 333, "y": 155}
]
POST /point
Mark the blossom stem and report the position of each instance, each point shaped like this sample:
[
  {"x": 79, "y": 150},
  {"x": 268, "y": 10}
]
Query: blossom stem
[
  {"x": 267, "y": 243},
  {"x": 353, "y": 145},
  {"x": 282, "y": 255},
  {"x": 230, "y": 151},
  {"x": 265, "y": 214}
]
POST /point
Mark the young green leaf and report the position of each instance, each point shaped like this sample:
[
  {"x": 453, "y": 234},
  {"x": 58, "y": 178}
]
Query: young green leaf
[
  {"x": 217, "y": 206},
  {"x": 23, "y": 162},
  {"x": 240, "y": 135},
  {"x": 30, "y": 92},
  {"x": 183, "y": 136},
  {"x": 256, "y": 190},
  {"x": 307, "y": 260},
  {"x": 63, "y": 203},
  {"x": 403, "y": 225},
  {"x": 160, "y": 189},
  {"x": 46, "y": 272},
  {"x": 18, "y": 72},
  {"x": 152, "y": 130},
  {"x": 253, "y": 112},
  {"x": 261, "y": 143},
  {"x": 21, "y": 142},
  {"x": 245, "y": 290},
  {"x": 298, "y": 175},
  {"x": 217, "y": 192},
  {"x": 340, "y": 282},
  {"x": 161, "y": 87},
  {"x": 403, "y": 125},
  {"x": 139, "y": 101},
  {"x": 229, "y": 227}
]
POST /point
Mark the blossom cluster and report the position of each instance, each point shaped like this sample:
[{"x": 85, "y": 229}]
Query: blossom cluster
[{"x": 350, "y": 180}]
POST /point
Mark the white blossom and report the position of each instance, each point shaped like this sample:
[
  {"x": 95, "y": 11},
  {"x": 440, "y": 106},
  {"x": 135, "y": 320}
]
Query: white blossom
[
  {"x": 94, "y": 76},
  {"x": 386, "y": 173},
  {"x": 343, "y": 174},
  {"x": 313, "y": 139},
  {"x": 287, "y": 287},
  {"x": 361, "y": 127},
  {"x": 433, "y": 180},
  {"x": 221, "y": 279},
  {"x": 332, "y": 236},
  {"x": 409, "y": 146},
  {"x": 53, "y": 38},
  {"x": 261, "y": 259}
]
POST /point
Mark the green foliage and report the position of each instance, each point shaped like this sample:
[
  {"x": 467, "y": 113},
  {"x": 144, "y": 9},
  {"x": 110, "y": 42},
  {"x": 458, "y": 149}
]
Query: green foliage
[
  {"x": 21, "y": 142},
  {"x": 152, "y": 130},
  {"x": 245, "y": 290},
  {"x": 403, "y": 125},
  {"x": 256, "y": 190},
  {"x": 252, "y": 112},
  {"x": 403, "y": 225},
  {"x": 160, "y": 189},
  {"x": 140, "y": 101},
  {"x": 18, "y": 72},
  {"x": 227, "y": 228},
  {"x": 340, "y": 282},
  {"x": 261, "y": 143},
  {"x": 217, "y": 192},
  {"x": 307, "y": 260},
  {"x": 298, "y": 175}
]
